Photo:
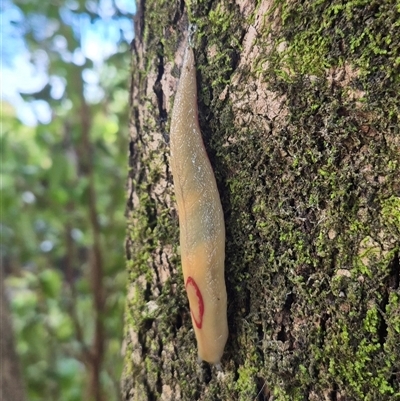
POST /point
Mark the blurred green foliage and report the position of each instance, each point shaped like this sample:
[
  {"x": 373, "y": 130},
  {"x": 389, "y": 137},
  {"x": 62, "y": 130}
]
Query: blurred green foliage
[{"x": 48, "y": 231}]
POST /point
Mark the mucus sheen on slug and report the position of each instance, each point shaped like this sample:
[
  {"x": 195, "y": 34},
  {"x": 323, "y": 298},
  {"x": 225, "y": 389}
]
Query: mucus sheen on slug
[{"x": 201, "y": 220}]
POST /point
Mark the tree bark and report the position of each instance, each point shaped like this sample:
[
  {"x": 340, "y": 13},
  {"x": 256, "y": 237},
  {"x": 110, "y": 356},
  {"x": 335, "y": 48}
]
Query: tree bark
[
  {"x": 11, "y": 383},
  {"x": 298, "y": 106}
]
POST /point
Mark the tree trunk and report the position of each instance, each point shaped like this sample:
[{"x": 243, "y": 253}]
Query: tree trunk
[
  {"x": 11, "y": 383},
  {"x": 298, "y": 106}
]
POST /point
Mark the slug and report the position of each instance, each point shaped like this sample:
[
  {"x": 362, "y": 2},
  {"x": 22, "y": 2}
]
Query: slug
[{"x": 201, "y": 220}]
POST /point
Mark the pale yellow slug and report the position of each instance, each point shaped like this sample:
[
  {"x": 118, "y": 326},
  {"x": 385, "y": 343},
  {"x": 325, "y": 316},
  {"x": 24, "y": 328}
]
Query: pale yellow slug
[{"x": 201, "y": 220}]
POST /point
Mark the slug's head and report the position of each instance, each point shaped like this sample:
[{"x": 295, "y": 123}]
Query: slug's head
[{"x": 217, "y": 365}]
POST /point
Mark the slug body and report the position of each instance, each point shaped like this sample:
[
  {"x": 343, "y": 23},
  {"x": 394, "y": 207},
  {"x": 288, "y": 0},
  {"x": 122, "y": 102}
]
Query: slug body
[{"x": 201, "y": 220}]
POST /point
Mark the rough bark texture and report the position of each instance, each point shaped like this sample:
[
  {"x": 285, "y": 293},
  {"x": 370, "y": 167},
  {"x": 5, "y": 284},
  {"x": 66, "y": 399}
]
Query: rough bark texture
[{"x": 298, "y": 105}]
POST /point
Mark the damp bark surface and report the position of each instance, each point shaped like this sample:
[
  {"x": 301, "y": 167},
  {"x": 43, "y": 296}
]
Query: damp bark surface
[{"x": 299, "y": 109}]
